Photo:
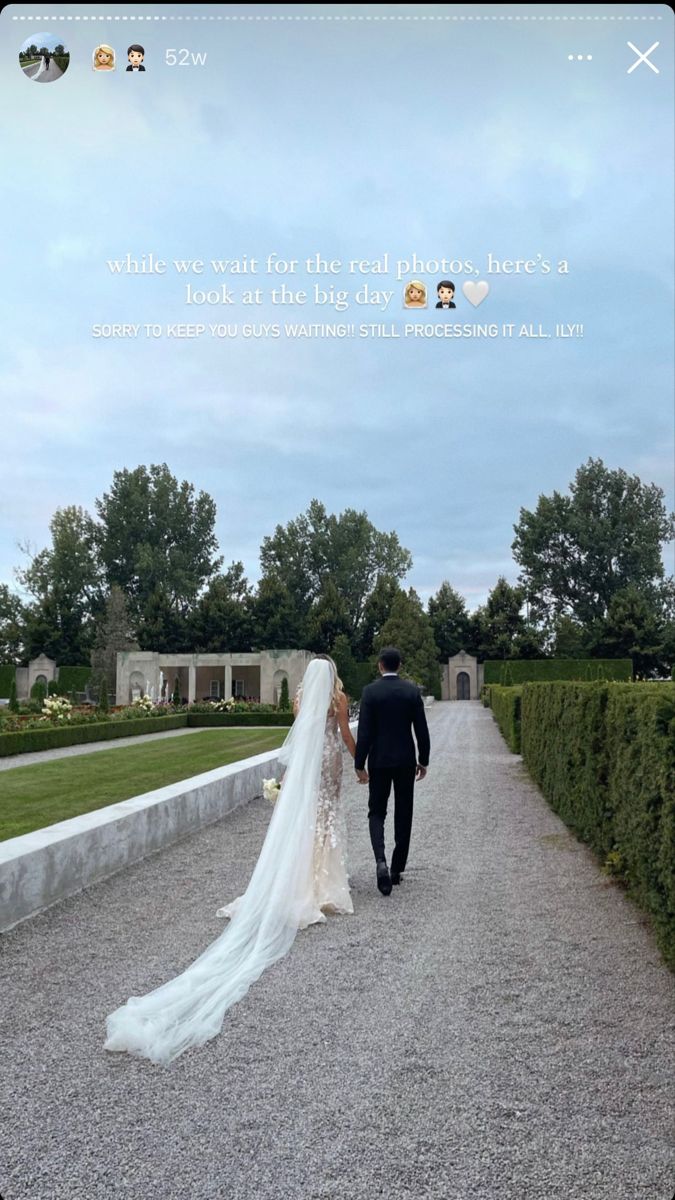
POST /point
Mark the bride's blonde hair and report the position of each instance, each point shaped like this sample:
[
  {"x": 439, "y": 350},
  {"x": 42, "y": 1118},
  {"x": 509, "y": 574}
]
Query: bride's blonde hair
[{"x": 338, "y": 686}]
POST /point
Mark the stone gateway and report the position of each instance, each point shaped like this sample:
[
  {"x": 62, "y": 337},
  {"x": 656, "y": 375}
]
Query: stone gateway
[{"x": 461, "y": 678}]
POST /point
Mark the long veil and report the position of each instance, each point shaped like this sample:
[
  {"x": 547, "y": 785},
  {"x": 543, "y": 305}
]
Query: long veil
[{"x": 189, "y": 1009}]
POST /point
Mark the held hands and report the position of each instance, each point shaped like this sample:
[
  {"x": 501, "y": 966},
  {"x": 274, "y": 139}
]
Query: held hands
[
  {"x": 362, "y": 776},
  {"x": 420, "y": 772}
]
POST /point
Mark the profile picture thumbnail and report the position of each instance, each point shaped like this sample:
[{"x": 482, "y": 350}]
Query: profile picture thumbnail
[
  {"x": 104, "y": 58},
  {"x": 43, "y": 57},
  {"x": 415, "y": 294}
]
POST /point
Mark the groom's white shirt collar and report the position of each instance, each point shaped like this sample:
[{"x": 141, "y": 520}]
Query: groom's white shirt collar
[{"x": 390, "y": 674}]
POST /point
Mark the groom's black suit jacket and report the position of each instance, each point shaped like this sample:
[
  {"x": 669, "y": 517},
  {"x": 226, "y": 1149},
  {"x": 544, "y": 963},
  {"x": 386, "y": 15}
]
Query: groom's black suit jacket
[{"x": 390, "y": 709}]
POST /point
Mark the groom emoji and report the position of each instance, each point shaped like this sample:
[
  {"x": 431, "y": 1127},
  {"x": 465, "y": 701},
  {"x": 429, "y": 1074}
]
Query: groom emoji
[
  {"x": 391, "y": 708},
  {"x": 135, "y": 56}
]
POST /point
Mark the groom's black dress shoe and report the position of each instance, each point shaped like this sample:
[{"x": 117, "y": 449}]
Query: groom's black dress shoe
[
  {"x": 395, "y": 877},
  {"x": 383, "y": 879}
]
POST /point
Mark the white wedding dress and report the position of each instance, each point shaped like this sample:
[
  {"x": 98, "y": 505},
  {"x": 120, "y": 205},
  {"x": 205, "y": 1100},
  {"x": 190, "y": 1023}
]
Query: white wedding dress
[{"x": 299, "y": 876}]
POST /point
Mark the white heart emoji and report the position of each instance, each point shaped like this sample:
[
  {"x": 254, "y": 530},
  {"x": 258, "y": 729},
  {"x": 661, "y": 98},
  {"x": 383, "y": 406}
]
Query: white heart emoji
[{"x": 475, "y": 292}]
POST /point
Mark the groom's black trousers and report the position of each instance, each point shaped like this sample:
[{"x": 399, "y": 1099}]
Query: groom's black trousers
[{"x": 379, "y": 788}]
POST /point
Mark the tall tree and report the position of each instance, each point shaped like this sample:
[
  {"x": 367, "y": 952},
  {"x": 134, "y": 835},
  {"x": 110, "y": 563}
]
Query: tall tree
[
  {"x": 157, "y": 541},
  {"x": 277, "y": 623},
  {"x": 530, "y": 642},
  {"x": 162, "y": 627},
  {"x": 222, "y": 621},
  {"x": 634, "y": 629},
  {"x": 346, "y": 549},
  {"x": 12, "y": 620},
  {"x": 449, "y": 621},
  {"x": 376, "y": 613},
  {"x": 569, "y": 639},
  {"x": 577, "y": 551},
  {"x": 341, "y": 653},
  {"x": 409, "y": 629},
  {"x": 327, "y": 619},
  {"x": 499, "y": 626},
  {"x": 113, "y": 634},
  {"x": 65, "y": 582}
]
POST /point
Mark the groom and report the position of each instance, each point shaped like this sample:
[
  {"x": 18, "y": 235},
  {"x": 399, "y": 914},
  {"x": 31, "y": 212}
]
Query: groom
[{"x": 390, "y": 709}]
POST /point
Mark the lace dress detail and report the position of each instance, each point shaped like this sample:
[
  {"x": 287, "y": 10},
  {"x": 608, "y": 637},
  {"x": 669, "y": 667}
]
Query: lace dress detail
[
  {"x": 328, "y": 886},
  {"x": 331, "y": 882}
]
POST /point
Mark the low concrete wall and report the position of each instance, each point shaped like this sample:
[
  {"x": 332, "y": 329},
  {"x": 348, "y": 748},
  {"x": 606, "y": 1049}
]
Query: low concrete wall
[{"x": 41, "y": 868}]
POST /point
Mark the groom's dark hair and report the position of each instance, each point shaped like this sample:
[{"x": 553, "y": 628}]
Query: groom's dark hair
[{"x": 390, "y": 658}]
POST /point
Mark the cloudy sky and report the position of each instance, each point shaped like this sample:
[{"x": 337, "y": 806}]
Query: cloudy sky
[{"x": 347, "y": 137}]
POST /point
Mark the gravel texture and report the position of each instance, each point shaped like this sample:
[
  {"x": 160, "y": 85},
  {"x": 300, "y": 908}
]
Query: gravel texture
[{"x": 501, "y": 1025}]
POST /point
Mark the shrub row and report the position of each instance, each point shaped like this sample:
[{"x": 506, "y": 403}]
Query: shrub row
[
  {"x": 56, "y": 736},
  {"x": 603, "y": 755},
  {"x": 505, "y": 703},
  {"x": 526, "y": 670},
  {"x": 209, "y": 720}
]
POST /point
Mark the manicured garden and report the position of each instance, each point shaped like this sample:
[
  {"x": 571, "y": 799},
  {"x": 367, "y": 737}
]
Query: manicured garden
[
  {"x": 49, "y": 722},
  {"x": 40, "y": 795},
  {"x": 603, "y": 755}
]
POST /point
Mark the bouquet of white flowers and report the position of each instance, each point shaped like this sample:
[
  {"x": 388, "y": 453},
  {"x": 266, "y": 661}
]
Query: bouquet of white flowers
[{"x": 271, "y": 789}]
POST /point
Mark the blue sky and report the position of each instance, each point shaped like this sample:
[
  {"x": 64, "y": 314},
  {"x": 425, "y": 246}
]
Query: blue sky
[
  {"x": 350, "y": 137},
  {"x": 44, "y": 37}
]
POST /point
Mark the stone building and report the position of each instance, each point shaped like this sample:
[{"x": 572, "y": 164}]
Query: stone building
[
  {"x": 39, "y": 670},
  {"x": 255, "y": 676},
  {"x": 461, "y": 678}
]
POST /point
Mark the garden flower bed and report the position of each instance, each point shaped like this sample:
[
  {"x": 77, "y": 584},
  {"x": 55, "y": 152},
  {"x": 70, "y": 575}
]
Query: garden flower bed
[{"x": 61, "y": 724}]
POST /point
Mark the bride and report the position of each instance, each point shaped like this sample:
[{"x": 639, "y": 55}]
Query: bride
[{"x": 300, "y": 874}]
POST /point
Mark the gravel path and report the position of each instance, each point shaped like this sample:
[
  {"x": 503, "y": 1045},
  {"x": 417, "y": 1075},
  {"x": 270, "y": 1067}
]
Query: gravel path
[
  {"x": 501, "y": 1026},
  {"x": 40, "y": 756}
]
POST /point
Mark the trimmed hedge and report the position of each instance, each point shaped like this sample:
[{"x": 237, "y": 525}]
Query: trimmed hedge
[
  {"x": 73, "y": 679},
  {"x": 641, "y": 798},
  {"x": 509, "y": 671},
  {"x": 209, "y": 720},
  {"x": 7, "y": 677},
  {"x": 31, "y": 740},
  {"x": 603, "y": 754},
  {"x": 505, "y": 704},
  {"x": 56, "y": 736},
  {"x": 564, "y": 747}
]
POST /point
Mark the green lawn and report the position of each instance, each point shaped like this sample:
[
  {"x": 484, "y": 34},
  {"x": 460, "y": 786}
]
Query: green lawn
[{"x": 32, "y": 797}]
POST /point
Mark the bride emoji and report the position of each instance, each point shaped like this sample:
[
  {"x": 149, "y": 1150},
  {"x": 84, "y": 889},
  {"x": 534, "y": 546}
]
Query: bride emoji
[
  {"x": 104, "y": 58},
  {"x": 415, "y": 295}
]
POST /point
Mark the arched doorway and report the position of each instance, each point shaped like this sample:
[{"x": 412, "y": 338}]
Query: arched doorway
[
  {"x": 136, "y": 685},
  {"x": 463, "y": 686},
  {"x": 279, "y": 677}
]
